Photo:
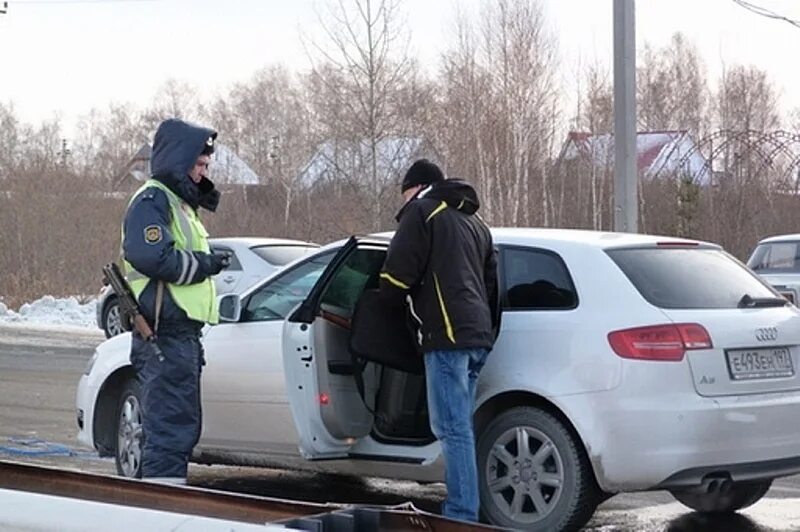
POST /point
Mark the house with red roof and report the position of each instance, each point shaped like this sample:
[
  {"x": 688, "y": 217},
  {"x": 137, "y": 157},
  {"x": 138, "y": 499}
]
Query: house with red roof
[{"x": 660, "y": 154}]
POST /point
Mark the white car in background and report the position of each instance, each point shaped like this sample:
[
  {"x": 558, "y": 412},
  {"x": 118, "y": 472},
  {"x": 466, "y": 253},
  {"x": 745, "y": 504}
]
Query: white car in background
[
  {"x": 777, "y": 260},
  {"x": 252, "y": 259},
  {"x": 624, "y": 363}
]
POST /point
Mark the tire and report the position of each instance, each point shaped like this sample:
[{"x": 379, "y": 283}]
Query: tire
[
  {"x": 112, "y": 319},
  {"x": 510, "y": 480},
  {"x": 129, "y": 439},
  {"x": 728, "y": 498}
]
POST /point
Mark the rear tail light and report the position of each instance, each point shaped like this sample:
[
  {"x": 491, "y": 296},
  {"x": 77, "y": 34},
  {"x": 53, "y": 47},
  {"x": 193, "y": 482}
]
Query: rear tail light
[{"x": 659, "y": 342}]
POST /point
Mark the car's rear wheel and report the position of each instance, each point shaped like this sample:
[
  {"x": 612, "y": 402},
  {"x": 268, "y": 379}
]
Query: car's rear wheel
[
  {"x": 724, "y": 497},
  {"x": 533, "y": 473},
  {"x": 129, "y": 440},
  {"x": 112, "y": 319}
]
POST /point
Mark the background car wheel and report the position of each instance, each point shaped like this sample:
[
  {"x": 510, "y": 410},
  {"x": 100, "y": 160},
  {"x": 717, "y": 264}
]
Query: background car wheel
[
  {"x": 112, "y": 320},
  {"x": 533, "y": 473},
  {"x": 129, "y": 440},
  {"x": 729, "y": 497}
]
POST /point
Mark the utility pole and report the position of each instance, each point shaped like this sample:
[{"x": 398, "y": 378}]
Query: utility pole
[{"x": 626, "y": 197}]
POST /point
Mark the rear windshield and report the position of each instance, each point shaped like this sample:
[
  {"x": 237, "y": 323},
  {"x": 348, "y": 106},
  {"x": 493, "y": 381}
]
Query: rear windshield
[
  {"x": 693, "y": 278},
  {"x": 281, "y": 255},
  {"x": 777, "y": 257}
]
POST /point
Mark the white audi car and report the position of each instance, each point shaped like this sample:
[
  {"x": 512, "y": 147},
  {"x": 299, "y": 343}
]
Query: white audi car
[{"x": 624, "y": 362}]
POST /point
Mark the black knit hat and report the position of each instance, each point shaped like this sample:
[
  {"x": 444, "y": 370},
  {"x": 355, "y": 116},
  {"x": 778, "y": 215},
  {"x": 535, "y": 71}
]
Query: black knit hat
[{"x": 422, "y": 172}]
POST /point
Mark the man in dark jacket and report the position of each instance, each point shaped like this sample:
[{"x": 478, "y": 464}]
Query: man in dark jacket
[
  {"x": 169, "y": 266},
  {"x": 442, "y": 256}
]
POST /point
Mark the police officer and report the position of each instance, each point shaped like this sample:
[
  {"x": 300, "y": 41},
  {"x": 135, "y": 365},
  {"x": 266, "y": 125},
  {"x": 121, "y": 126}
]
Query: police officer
[{"x": 169, "y": 266}]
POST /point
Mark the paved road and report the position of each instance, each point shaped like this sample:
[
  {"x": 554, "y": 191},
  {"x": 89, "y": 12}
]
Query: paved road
[{"x": 39, "y": 371}]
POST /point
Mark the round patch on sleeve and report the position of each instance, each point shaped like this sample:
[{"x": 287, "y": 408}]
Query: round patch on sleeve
[{"x": 152, "y": 234}]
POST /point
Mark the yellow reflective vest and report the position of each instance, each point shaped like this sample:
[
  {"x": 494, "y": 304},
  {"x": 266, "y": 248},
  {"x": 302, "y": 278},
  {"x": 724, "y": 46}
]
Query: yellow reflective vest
[{"x": 198, "y": 300}]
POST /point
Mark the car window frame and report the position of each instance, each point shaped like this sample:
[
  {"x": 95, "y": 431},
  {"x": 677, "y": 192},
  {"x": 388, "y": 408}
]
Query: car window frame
[
  {"x": 283, "y": 273},
  {"x": 768, "y": 252},
  {"x": 503, "y": 282}
]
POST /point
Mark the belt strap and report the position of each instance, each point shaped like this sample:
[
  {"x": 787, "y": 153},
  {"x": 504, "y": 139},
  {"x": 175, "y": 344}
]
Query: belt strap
[{"x": 159, "y": 302}]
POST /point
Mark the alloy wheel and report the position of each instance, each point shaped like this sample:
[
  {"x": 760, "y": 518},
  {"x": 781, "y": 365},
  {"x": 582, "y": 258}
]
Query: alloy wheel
[
  {"x": 129, "y": 437},
  {"x": 114, "y": 320},
  {"x": 525, "y": 474}
]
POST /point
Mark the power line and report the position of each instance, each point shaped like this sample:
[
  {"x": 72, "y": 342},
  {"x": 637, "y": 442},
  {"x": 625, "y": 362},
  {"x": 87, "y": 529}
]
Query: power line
[{"x": 764, "y": 12}]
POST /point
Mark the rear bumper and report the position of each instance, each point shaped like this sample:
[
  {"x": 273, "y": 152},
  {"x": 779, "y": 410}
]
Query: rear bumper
[
  {"x": 736, "y": 472},
  {"x": 650, "y": 442}
]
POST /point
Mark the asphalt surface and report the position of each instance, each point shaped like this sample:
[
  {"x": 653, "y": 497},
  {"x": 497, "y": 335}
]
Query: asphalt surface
[{"x": 39, "y": 371}]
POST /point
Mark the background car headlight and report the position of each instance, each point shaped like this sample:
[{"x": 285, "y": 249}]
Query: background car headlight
[{"x": 90, "y": 364}]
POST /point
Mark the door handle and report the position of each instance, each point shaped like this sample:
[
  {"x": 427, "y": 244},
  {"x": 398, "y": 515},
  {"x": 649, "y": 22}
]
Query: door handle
[{"x": 228, "y": 278}]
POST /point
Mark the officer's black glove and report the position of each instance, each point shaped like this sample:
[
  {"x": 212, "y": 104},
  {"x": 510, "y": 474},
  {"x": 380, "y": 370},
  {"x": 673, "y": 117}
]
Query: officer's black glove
[{"x": 217, "y": 263}]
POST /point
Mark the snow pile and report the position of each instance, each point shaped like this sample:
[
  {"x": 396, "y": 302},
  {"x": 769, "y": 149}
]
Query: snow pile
[{"x": 51, "y": 311}]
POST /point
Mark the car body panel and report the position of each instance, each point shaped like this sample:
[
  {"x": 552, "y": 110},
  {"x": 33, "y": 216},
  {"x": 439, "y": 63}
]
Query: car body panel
[{"x": 111, "y": 356}]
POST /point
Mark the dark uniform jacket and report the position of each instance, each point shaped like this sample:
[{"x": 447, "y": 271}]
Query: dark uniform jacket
[
  {"x": 442, "y": 255},
  {"x": 149, "y": 245}
]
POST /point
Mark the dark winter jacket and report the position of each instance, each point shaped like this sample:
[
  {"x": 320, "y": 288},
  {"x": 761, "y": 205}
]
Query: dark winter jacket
[
  {"x": 442, "y": 255},
  {"x": 176, "y": 148}
]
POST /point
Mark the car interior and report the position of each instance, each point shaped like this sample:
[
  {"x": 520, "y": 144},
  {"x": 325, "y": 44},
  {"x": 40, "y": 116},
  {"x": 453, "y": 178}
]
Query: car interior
[{"x": 363, "y": 397}]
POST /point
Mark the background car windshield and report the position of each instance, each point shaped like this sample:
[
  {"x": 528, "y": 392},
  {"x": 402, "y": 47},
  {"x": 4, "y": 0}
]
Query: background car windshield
[
  {"x": 278, "y": 297},
  {"x": 688, "y": 278},
  {"x": 281, "y": 255},
  {"x": 777, "y": 257}
]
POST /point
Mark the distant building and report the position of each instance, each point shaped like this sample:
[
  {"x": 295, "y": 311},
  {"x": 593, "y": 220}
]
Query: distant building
[
  {"x": 660, "y": 154},
  {"x": 336, "y": 161},
  {"x": 226, "y": 169}
]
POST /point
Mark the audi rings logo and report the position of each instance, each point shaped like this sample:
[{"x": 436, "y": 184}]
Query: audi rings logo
[{"x": 767, "y": 334}]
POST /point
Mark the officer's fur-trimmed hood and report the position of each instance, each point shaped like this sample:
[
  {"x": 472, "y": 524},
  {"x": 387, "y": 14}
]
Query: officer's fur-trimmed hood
[{"x": 176, "y": 147}]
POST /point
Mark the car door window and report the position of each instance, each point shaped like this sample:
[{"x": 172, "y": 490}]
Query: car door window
[
  {"x": 358, "y": 272},
  {"x": 536, "y": 279},
  {"x": 275, "y": 299},
  {"x": 235, "y": 266}
]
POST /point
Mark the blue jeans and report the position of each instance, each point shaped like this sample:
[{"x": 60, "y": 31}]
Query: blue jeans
[{"x": 451, "y": 377}]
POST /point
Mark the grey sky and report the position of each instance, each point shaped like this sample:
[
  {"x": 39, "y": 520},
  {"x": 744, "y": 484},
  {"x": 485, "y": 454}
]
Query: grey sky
[{"x": 67, "y": 56}]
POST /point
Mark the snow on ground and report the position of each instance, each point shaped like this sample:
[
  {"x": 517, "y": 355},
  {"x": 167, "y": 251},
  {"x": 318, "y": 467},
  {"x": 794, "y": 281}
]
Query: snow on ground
[{"x": 52, "y": 312}]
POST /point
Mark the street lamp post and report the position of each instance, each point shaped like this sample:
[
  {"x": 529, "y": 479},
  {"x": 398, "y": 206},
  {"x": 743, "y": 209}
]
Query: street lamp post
[{"x": 626, "y": 203}]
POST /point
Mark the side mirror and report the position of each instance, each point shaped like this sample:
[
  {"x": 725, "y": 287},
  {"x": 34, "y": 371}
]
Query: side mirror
[{"x": 230, "y": 307}]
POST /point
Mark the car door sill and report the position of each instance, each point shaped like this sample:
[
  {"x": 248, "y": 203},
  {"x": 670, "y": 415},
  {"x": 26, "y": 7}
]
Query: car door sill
[{"x": 386, "y": 458}]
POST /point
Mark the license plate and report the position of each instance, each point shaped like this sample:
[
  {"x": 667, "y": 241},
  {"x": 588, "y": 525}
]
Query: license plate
[{"x": 767, "y": 363}]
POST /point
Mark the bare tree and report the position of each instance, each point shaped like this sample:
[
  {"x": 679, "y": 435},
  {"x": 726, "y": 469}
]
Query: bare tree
[
  {"x": 267, "y": 123},
  {"x": 746, "y": 100},
  {"x": 174, "y": 99},
  {"x": 363, "y": 66},
  {"x": 462, "y": 113},
  {"x": 499, "y": 86},
  {"x": 106, "y": 141},
  {"x": 9, "y": 141},
  {"x": 672, "y": 88}
]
